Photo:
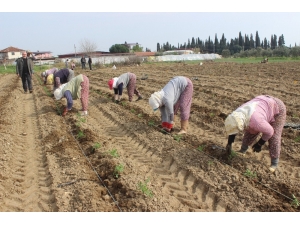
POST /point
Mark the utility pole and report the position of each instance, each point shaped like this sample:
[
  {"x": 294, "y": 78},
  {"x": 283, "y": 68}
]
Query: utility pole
[{"x": 75, "y": 50}]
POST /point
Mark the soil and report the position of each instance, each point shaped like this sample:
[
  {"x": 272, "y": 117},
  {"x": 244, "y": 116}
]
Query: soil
[{"x": 117, "y": 159}]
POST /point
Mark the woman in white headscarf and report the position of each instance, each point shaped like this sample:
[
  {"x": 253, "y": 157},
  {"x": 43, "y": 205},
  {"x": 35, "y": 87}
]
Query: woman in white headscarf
[
  {"x": 48, "y": 75},
  {"x": 76, "y": 88},
  {"x": 177, "y": 94},
  {"x": 264, "y": 115}
]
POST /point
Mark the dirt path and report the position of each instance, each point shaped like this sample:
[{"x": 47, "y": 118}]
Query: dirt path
[{"x": 117, "y": 159}]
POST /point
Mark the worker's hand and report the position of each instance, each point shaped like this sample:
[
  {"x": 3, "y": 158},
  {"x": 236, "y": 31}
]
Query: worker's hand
[
  {"x": 65, "y": 111},
  {"x": 228, "y": 149},
  {"x": 258, "y": 145}
]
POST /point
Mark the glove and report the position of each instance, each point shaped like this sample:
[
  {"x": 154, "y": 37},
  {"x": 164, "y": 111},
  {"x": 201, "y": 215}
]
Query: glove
[
  {"x": 65, "y": 111},
  {"x": 167, "y": 126},
  {"x": 257, "y": 146}
]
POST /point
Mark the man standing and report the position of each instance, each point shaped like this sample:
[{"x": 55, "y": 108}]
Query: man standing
[
  {"x": 90, "y": 62},
  {"x": 24, "y": 69},
  {"x": 83, "y": 61}
]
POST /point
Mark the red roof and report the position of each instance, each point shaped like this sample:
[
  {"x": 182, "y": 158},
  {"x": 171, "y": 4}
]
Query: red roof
[{"x": 12, "y": 49}]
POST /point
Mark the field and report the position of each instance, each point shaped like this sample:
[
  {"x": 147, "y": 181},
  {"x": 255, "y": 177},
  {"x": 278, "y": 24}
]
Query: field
[{"x": 117, "y": 158}]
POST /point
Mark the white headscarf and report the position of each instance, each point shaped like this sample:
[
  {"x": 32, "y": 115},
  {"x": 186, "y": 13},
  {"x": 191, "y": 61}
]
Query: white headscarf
[
  {"x": 156, "y": 99},
  {"x": 239, "y": 119},
  {"x": 58, "y": 92}
]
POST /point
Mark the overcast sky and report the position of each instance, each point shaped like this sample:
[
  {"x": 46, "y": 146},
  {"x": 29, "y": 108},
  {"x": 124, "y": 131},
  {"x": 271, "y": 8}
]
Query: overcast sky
[{"x": 57, "y": 26}]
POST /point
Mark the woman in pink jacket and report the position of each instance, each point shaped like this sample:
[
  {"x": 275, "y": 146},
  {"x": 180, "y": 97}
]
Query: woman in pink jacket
[{"x": 264, "y": 115}]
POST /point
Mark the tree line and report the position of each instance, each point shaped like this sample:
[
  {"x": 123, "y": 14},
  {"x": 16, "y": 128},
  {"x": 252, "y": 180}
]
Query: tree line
[{"x": 237, "y": 46}]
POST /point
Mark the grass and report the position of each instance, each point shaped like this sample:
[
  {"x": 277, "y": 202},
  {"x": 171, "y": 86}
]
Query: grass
[
  {"x": 144, "y": 188},
  {"x": 118, "y": 170},
  {"x": 140, "y": 115},
  {"x": 297, "y": 139}
]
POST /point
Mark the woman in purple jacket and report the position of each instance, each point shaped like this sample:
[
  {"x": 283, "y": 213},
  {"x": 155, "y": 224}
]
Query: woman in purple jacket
[{"x": 264, "y": 115}]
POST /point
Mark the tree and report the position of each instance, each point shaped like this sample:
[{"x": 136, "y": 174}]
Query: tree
[
  {"x": 137, "y": 48},
  {"x": 158, "y": 47},
  {"x": 241, "y": 41},
  {"x": 88, "y": 47},
  {"x": 117, "y": 48},
  {"x": 257, "y": 40}
]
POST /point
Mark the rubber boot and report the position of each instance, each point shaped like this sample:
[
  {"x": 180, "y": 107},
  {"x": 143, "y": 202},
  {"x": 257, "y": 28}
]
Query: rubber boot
[
  {"x": 274, "y": 164},
  {"x": 184, "y": 126},
  {"x": 242, "y": 151}
]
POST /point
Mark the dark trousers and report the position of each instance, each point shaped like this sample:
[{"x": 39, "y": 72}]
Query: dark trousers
[
  {"x": 82, "y": 65},
  {"x": 90, "y": 65},
  {"x": 26, "y": 81}
]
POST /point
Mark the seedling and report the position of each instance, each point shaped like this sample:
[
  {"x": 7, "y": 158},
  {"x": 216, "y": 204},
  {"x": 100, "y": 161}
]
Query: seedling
[
  {"x": 144, "y": 188},
  {"x": 132, "y": 110},
  {"x": 140, "y": 115},
  {"x": 250, "y": 174},
  {"x": 80, "y": 134},
  {"x": 232, "y": 154},
  {"x": 80, "y": 118},
  {"x": 210, "y": 163},
  {"x": 297, "y": 139},
  {"x": 124, "y": 103},
  {"x": 177, "y": 137},
  {"x": 114, "y": 153},
  {"x": 151, "y": 123},
  {"x": 211, "y": 114},
  {"x": 96, "y": 145},
  {"x": 295, "y": 203},
  {"x": 118, "y": 169},
  {"x": 200, "y": 148}
]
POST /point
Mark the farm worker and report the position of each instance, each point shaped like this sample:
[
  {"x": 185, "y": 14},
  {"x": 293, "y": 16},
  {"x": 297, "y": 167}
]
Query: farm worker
[
  {"x": 264, "y": 115},
  {"x": 90, "y": 62},
  {"x": 73, "y": 66},
  {"x": 176, "y": 94},
  {"x": 66, "y": 63},
  {"x": 48, "y": 75},
  {"x": 24, "y": 69},
  {"x": 61, "y": 77},
  {"x": 76, "y": 88},
  {"x": 83, "y": 61},
  {"x": 125, "y": 80}
]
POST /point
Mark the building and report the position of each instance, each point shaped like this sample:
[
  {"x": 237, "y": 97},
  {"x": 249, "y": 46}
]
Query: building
[
  {"x": 11, "y": 53},
  {"x": 43, "y": 55}
]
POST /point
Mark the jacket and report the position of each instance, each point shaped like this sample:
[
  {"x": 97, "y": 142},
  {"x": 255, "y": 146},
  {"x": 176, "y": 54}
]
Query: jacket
[{"x": 19, "y": 66}]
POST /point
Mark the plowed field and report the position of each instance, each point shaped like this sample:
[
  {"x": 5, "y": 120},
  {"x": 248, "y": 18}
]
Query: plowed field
[{"x": 117, "y": 159}]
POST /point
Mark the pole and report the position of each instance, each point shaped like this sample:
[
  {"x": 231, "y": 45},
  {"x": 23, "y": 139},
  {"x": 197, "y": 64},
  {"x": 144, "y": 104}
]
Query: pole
[{"x": 75, "y": 50}]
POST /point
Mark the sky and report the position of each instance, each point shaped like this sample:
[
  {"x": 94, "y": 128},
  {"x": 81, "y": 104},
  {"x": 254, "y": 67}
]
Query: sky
[{"x": 61, "y": 27}]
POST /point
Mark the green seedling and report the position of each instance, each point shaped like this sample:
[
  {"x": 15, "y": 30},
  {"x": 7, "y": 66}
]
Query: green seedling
[
  {"x": 232, "y": 154},
  {"x": 297, "y": 139},
  {"x": 210, "y": 163},
  {"x": 81, "y": 118},
  {"x": 295, "y": 203},
  {"x": 151, "y": 123},
  {"x": 200, "y": 148},
  {"x": 140, "y": 115},
  {"x": 80, "y": 134},
  {"x": 118, "y": 169},
  {"x": 144, "y": 188},
  {"x": 132, "y": 110},
  {"x": 97, "y": 145},
  {"x": 124, "y": 103},
  {"x": 211, "y": 114},
  {"x": 114, "y": 153},
  {"x": 250, "y": 174},
  {"x": 177, "y": 137}
]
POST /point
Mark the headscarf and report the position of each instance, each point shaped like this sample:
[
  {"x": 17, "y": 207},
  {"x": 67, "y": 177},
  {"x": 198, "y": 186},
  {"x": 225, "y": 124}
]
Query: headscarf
[
  {"x": 112, "y": 83},
  {"x": 58, "y": 94},
  {"x": 239, "y": 119},
  {"x": 155, "y": 99},
  {"x": 44, "y": 74}
]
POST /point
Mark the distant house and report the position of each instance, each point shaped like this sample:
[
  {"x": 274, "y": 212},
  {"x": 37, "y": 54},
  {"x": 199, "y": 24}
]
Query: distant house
[
  {"x": 130, "y": 45},
  {"x": 43, "y": 55},
  {"x": 11, "y": 53}
]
